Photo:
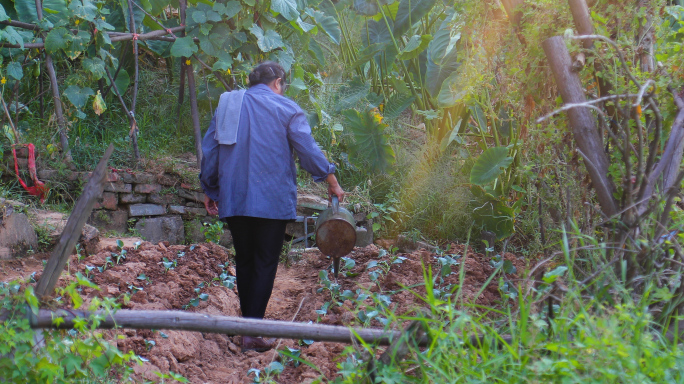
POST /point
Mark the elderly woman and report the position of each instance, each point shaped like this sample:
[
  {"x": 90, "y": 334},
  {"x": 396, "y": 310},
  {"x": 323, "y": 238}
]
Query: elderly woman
[{"x": 249, "y": 178}]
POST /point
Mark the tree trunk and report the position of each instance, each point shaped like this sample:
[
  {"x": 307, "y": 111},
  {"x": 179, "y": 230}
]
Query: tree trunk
[{"x": 582, "y": 122}]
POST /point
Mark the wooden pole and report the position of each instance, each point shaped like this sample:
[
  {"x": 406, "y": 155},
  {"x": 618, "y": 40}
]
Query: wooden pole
[
  {"x": 192, "y": 94},
  {"x": 59, "y": 114},
  {"x": 134, "y": 130},
  {"x": 198, "y": 322},
  {"x": 582, "y": 122},
  {"x": 582, "y": 19},
  {"x": 72, "y": 230}
]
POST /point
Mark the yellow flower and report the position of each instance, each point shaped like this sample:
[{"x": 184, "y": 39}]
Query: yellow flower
[
  {"x": 188, "y": 62},
  {"x": 77, "y": 22},
  {"x": 228, "y": 71},
  {"x": 3, "y": 80},
  {"x": 102, "y": 18}
]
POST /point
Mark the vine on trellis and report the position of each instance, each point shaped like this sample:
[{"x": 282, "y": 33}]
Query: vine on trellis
[{"x": 218, "y": 39}]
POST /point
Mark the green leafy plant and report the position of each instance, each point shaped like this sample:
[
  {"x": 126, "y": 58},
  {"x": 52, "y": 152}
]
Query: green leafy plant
[
  {"x": 79, "y": 355},
  {"x": 212, "y": 232},
  {"x": 200, "y": 297}
]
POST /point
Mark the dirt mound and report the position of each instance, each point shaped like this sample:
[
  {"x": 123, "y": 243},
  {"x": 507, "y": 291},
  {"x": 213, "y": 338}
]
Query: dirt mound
[{"x": 199, "y": 278}]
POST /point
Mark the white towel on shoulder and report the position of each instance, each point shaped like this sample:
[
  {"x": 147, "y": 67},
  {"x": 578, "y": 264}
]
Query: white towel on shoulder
[{"x": 228, "y": 116}]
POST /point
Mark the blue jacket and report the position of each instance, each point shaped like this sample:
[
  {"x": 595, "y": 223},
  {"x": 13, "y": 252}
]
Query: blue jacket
[{"x": 257, "y": 176}]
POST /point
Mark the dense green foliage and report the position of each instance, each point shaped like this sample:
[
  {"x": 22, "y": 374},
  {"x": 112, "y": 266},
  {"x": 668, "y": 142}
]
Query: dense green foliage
[
  {"x": 429, "y": 108},
  {"x": 81, "y": 355}
]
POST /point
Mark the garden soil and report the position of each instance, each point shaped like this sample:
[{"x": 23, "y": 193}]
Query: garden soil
[{"x": 298, "y": 293}]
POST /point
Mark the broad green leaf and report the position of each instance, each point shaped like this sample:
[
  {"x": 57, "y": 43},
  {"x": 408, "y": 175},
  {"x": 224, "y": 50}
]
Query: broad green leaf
[
  {"x": 15, "y": 71},
  {"x": 31, "y": 299},
  {"x": 183, "y": 47},
  {"x": 83, "y": 9},
  {"x": 12, "y": 36},
  {"x": 54, "y": 10},
  {"x": 304, "y": 26},
  {"x": 3, "y": 14},
  {"x": 330, "y": 25},
  {"x": 452, "y": 91},
  {"x": 397, "y": 104},
  {"x": 56, "y": 39},
  {"x": 551, "y": 276},
  {"x": 228, "y": 10},
  {"x": 366, "y": 54},
  {"x": 410, "y": 12},
  {"x": 489, "y": 165},
  {"x": 284, "y": 58},
  {"x": 77, "y": 95},
  {"x": 95, "y": 66},
  {"x": 286, "y": 8},
  {"x": 415, "y": 46},
  {"x": 494, "y": 216},
  {"x": 389, "y": 10},
  {"x": 316, "y": 52},
  {"x": 267, "y": 41},
  {"x": 441, "y": 58},
  {"x": 122, "y": 80},
  {"x": 224, "y": 62},
  {"x": 376, "y": 32},
  {"x": 370, "y": 141},
  {"x": 453, "y": 136},
  {"x": 212, "y": 45},
  {"x": 78, "y": 44},
  {"x": 351, "y": 93},
  {"x": 366, "y": 7},
  {"x": 203, "y": 13}
]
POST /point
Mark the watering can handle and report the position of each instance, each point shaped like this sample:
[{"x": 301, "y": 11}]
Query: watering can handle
[{"x": 335, "y": 205}]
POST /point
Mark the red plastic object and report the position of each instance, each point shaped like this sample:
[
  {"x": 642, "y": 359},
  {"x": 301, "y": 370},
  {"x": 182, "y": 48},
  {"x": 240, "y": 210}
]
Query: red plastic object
[{"x": 38, "y": 188}]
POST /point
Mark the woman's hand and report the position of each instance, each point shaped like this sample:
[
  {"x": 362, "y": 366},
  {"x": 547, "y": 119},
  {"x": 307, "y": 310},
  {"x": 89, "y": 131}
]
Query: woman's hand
[
  {"x": 334, "y": 187},
  {"x": 211, "y": 206}
]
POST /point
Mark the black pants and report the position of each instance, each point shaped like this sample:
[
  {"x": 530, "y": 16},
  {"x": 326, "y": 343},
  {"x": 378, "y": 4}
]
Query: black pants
[{"x": 258, "y": 243}]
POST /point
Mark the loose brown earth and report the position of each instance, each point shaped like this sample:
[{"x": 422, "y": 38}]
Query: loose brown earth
[{"x": 213, "y": 358}]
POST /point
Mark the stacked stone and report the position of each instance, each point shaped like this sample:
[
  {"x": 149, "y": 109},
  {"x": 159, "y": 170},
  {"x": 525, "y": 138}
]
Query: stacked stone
[{"x": 154, "y": 205}]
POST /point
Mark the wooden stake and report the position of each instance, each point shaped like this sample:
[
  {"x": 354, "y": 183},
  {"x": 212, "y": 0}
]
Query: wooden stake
[
  {"x": 61, "y": 121},
  {"x": 72, "y": 230},
  {"x": 582, "y": 122},
  {"x": 192, "y": 93},
  {"x": 134, "y": 131}
]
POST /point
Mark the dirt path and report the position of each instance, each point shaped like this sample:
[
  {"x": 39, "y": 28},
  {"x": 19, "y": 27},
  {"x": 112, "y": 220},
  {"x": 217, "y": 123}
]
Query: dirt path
[{"x": 199, "y": 278}]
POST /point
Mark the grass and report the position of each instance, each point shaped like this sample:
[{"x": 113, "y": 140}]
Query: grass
[{"x": 576, "y": 338}]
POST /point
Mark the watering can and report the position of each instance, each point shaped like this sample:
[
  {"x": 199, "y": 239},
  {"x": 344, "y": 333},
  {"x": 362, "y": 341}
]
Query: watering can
[{"x": 335, "y": 233}]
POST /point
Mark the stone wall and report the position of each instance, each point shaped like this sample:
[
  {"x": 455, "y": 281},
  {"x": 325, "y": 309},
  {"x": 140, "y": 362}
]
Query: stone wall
[{"x": 158, "y": 206}]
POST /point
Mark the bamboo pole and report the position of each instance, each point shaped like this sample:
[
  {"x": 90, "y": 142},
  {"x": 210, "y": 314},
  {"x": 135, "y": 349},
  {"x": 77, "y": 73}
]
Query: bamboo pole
[
  {"x": 198, "y": 322},
  {"x": 134, "y": 129},
  {"x": 582, "y": 122},
  {"x": 192, "y": 94},
  {"x": 72, "y": 230},
  {"x": 61, "y": 121}
]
